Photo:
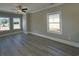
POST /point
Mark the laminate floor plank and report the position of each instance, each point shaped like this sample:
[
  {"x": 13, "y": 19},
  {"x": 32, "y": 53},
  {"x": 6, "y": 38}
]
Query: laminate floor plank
[{"x": 30, "y": 45}]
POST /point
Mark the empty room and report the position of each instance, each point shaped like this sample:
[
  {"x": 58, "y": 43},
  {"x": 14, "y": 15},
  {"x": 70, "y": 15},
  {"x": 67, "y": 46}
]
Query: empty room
[{"x": 39, "y": 29}]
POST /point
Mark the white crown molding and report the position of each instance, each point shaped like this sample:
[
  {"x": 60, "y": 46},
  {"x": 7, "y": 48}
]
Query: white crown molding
[{"x": 54, "y": 5}]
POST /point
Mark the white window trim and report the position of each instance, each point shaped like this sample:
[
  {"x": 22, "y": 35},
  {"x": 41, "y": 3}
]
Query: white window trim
[
  {"x": 59, "y": 12},
  {"x": 20, "y": 23},
  {"x": 9, "y": 24}
]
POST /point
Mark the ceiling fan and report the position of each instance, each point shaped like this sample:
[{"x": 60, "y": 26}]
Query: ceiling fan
[{"x": 19, "y": 8}]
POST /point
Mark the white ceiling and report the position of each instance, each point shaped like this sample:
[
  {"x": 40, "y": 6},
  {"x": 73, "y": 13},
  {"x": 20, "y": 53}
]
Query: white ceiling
[
  {"x": 32, "y": 7},
  {"x": 11, "y": 7}
]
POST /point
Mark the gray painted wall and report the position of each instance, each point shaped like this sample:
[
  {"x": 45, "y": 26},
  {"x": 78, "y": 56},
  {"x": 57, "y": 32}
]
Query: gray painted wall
[
  {"x": 24, "y": 20},
  {"x": 70, "y": 22},
  {"x": 28, "y": 23},
  {"x": 10, "y": 15}
]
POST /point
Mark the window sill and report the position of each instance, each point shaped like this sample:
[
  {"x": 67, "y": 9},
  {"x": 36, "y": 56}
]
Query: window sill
[
  {"x": 4, "y": 30},
  {"x": 60, "y": 33}
]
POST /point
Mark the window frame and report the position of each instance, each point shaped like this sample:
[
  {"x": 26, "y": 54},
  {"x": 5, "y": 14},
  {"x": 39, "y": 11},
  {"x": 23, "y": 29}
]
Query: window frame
[
  {"x": 13, "y": 23},
  {"x": 9, "y": 24},
  {"x": 56, "y": 12}
]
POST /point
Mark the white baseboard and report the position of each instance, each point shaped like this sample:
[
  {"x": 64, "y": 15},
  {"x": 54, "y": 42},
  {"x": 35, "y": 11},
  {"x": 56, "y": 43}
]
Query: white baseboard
[
  {"x": 10, "y": 33},
  {"x": 57, "y": 39}
]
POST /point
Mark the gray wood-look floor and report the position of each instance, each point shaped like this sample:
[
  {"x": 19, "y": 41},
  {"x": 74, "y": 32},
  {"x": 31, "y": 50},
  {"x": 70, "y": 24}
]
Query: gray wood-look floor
[{"x": 31, "y": 45}]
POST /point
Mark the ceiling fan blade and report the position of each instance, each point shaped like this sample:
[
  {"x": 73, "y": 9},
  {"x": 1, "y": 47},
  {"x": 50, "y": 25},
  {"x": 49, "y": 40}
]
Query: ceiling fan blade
[{"x": 24, "y": 9}]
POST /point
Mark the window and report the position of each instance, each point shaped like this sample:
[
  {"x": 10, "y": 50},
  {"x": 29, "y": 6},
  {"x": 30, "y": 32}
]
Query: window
[
  {"x": 4, "y": 24},
  {"x": 16, "y": 23},
  {"x": 54, "y": 22}
]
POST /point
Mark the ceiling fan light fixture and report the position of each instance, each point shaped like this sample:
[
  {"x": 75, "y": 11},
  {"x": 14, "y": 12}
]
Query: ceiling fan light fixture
[{"x": 20, "y": 9}]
